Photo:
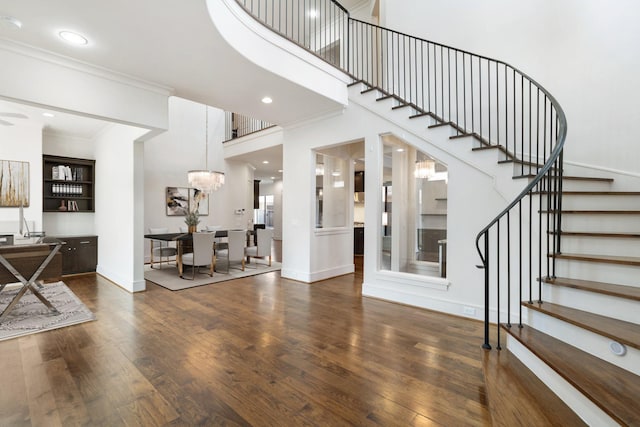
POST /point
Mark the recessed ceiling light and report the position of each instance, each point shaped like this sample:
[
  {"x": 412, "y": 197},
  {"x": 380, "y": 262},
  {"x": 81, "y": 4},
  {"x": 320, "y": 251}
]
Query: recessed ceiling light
[
  {"x": 48, "y": 114},
  {"x": 267, "y": 100},
  {"x": 273, "y": 177},
  {"x": 280, "y": 170},
  {"x": 265, "y": 162},
  {"x": 400, "y": 150},
  {"x": 11, "y": 21},
  {"x": 313, "y": 13},
  {"x": 73, "y": 38}
]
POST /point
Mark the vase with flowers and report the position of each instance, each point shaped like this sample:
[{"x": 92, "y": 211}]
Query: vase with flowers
[{"x": 192, "y": 220}]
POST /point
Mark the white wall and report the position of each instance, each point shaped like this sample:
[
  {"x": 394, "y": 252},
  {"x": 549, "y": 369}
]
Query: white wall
[
  {"x": 120, "y": 206},
  {"x": 583, "y": 51},
  {"x": 168, "y": 157},
  {"x": 33, "y": 76},
  {"x": 24, "y": 143}
]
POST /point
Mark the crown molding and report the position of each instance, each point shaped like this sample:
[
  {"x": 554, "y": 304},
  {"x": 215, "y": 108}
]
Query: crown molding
[{"x": 83, "y": 67}]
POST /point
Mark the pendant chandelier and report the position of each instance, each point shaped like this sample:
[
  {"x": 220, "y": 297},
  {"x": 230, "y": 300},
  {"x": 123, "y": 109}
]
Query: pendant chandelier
[
  {"x": 205, "y": 179},
  {"x": 425, "y": 168}
]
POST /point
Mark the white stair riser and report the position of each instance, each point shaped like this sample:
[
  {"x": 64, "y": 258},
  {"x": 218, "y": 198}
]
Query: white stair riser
[
  {"x": 594, "y": 202},
  {"x": 587, "y": 341},
  {"x": 601, "y": 246},
  {"x": 604, "y": 305},
  {"x": 578, "y": 185},
  {"x": 598, "y": 272},
  {"x": 603, "y": 223}
]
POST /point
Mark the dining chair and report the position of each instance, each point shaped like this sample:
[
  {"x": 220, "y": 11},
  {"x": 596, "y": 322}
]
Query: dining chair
[
  {"x": 202, "y": 254},
  {"x": 234, "y": 250},
  {"x": 263, "y": 247},
  {"x": 164, "y": 249}
]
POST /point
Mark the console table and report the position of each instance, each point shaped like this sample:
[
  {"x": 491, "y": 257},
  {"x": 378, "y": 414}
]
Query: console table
[{"x": 37, "y": 261}]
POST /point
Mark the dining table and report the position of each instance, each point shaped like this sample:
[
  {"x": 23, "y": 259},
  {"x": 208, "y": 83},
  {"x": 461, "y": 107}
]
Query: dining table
[{"x": 184, "y": 242}]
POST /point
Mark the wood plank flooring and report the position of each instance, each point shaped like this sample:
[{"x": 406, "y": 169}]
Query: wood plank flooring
[{"x": 257, "y": 351}]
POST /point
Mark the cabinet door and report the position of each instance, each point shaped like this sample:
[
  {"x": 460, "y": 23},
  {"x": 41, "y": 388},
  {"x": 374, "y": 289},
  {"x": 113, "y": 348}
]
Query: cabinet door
[
  {"x": 68, "y": 256},
  {"x": 86, "y": 254}
]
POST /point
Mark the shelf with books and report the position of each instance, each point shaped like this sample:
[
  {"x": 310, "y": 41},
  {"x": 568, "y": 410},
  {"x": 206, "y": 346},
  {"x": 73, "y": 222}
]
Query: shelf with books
[{"x": 68, "y": 184}]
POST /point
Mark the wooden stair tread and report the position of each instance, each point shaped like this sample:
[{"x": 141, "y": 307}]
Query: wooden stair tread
[
  {"x": 626, "y": 333},
  {"x": 620, "y": 291},
  {"x": 594, "y": 193},
  {"x": 586, "y": 178},
  {"x": 594, "y": 212},
  {"x": 597, "y": 234},
  {"x": 397, "y": 107},
  {"x": 613, "y": 389},
  {"x": 601, "y": 193},
  {"x": 609, "y": 259},
  {"x": 515, "y": 394}
]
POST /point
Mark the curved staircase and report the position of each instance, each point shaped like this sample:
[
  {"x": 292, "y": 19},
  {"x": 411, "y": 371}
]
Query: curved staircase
[{"x": 561, "y": 261}]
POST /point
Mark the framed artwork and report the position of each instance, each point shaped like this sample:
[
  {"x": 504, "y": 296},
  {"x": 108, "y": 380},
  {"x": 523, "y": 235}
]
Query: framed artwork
[
  {"x": 199, "y": 200},
  {"x": 14, "y": 183},
  {"x": 177, "y": 201}
]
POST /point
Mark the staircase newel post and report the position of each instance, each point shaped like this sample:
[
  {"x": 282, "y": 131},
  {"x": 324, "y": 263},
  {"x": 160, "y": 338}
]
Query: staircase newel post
[{"x": 486, "y": 344}]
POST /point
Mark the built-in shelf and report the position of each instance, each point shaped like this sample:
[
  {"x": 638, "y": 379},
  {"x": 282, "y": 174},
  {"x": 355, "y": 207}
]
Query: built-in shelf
[{"x": 73, "y": 190}]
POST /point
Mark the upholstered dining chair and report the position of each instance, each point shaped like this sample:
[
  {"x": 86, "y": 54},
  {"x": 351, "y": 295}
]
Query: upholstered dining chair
[
  {"x": 263, "y": 247},
  {"x": 163, "y": 249},
  {"x": 202, "y": 254},
  {"x": 234, "y": 250}
]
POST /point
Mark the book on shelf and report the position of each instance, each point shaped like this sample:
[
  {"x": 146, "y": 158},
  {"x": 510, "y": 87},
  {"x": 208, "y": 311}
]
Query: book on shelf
[{"x": 65, "y": 173}]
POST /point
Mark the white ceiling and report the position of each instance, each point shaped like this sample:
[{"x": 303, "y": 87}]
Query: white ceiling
[{"x": 166, "y": 42}]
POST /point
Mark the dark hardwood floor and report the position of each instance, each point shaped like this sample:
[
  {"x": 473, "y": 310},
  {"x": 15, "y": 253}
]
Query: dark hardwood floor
[{"x": 257, "y": 351}]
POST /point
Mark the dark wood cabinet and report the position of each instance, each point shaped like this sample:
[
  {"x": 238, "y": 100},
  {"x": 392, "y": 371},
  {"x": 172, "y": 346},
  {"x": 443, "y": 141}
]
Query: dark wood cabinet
[
  {"x": 79, "y": 254},
  {"x": 358, "y": 240},
  {"x": 358, "y": 182},
  {"x": 68, "y": 184}
]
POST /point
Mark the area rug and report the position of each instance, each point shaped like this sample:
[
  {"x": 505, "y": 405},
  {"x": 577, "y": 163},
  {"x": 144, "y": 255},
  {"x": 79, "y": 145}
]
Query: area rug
[
  {"x": 168, "y": 276},
  {"x": 30, "y": 315}
]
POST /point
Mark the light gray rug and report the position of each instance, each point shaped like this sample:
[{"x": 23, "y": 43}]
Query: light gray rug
[
  {"x": 30, "y": 315},
  {"x": 168, "y": 277}
]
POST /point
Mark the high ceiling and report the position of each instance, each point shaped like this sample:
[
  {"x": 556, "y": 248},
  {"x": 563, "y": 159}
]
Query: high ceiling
[{"x": 165, "y": 42}]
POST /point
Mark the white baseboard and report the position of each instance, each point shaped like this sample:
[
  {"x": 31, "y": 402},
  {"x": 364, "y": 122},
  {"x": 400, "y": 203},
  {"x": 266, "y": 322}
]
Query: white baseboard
[
  {"x": 316, "y": 276},
  {"x": 128, "y": 285}
]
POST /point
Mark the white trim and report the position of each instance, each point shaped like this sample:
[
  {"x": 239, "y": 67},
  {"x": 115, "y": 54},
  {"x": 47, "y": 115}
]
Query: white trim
[
  {"x": 317, "y": 275},
  {"x": 83, "y": 67},
  {"x": 129, "y": 286},
  {"x": 603, "y": 169},
  {"x": 415, "y": 280},
  {"x": 331, "y": 231}
]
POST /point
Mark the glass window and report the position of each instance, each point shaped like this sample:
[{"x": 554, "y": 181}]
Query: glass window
[{"x": 414, "y": 211}]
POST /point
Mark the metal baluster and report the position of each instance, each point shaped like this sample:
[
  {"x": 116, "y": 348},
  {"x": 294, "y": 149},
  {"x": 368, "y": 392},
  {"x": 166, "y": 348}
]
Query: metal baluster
[{"x": 498, "y": 282}]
